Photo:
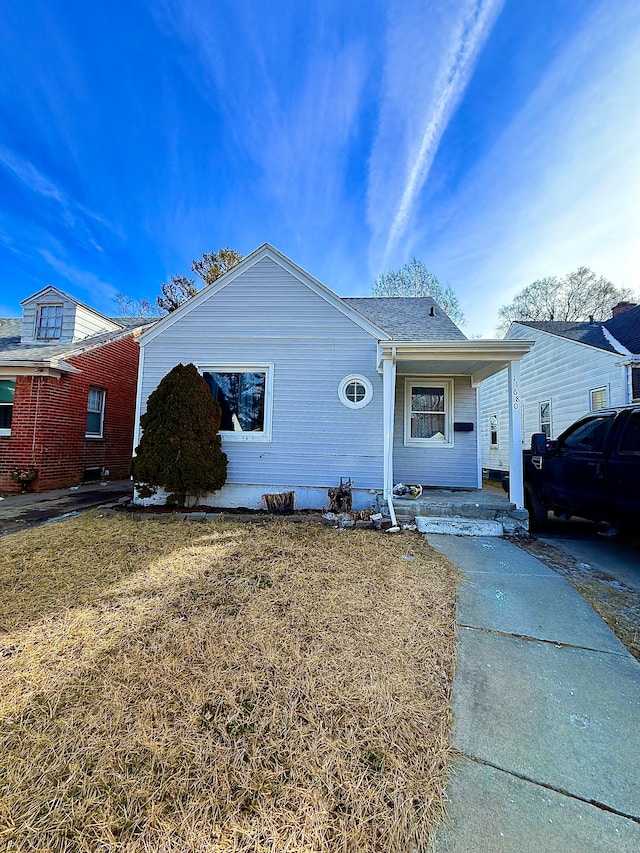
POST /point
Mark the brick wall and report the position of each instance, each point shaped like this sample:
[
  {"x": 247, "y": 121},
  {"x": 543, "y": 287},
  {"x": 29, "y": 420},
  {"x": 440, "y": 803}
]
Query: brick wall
[{"x": 50, "y": 415}]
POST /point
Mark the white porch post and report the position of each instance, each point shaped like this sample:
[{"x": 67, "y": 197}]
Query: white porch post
[
  {"x": 516, "y": 486},
  {"x": 388, "y": 407}
]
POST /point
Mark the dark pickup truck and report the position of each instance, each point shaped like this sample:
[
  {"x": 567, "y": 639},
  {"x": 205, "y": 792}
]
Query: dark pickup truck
[{"x": 592, "y": 470}]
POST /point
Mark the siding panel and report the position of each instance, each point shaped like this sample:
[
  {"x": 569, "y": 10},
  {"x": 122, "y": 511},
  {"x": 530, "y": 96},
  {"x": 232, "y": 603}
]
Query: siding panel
[
  {"x": 556, "y": 369},
  {"x": 443, "y": 467},
  {"x": 268, "y": 316}
]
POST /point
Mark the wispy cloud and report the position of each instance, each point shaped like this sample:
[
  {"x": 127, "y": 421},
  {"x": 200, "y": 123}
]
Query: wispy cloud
[
  {"x": 100, "y": 293},
  {"x": 561, "y": 186},
  {"x": 432, "y": 52},
  {"x": 75, "y": 215},
  {"x": 295, "y": 128}
]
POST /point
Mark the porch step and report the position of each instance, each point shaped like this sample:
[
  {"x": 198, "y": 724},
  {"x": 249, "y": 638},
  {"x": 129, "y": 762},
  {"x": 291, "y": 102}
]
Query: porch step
[{"x": 459, "y": 526}]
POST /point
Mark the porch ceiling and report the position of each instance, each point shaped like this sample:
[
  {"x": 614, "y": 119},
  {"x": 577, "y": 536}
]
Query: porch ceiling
[{"x": 478, "y": 359}]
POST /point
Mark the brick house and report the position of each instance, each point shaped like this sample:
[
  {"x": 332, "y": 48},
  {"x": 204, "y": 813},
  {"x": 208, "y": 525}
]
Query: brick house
[{"x": 67, "y": 393}]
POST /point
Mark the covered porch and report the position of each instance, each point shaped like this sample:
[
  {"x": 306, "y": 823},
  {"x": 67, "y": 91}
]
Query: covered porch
[{"x": 431, "y": 428}]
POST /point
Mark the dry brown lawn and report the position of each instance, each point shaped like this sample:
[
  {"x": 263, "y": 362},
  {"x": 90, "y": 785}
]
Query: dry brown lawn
[{"x": 222, "y": 687}]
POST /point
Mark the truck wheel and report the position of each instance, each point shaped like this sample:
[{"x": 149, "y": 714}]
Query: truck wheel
[{"x": 537, "y": 510}]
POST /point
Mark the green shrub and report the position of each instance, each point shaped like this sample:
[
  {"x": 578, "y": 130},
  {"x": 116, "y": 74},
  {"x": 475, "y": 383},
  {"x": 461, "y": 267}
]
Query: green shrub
[{"x": 180, "y": 449}]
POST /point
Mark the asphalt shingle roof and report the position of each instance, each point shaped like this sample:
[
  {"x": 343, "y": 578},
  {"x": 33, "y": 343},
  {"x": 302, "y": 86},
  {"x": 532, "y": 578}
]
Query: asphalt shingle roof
[
  {"x": 585, "y": 333},
  {"x": 407, "y": 318},
  {"x": 12, "y": 349},
  {"x": 625, "y": 328}
]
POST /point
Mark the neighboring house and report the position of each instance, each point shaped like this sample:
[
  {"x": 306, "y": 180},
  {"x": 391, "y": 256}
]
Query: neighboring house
[
  {"x": 573, "y": 368},
  {"x": 67, "y": 392},
  {"x": 315, "y": 388}
]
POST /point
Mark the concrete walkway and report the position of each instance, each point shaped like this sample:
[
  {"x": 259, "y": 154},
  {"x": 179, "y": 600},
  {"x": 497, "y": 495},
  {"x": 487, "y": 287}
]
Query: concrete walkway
[
  {"x": 546, "y": 704},
  {"x": 20, "y": 511}
]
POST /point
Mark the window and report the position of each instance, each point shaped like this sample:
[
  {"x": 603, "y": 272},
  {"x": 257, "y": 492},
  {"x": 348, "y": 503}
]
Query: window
[
  {"x": 7, "y": 389},
  {"x": 597, "y": 398},
  {"x": 244, "y": 396},
  {"x": 545, "y": 418},
  {"x": 49, "y": 323},
  {"x": 428, "y": 412},
  {"x": 589, "y": 435},
  {"x": 355, "y": 391},
  {"x": 630, "y": 442},
  {"x": 95, "y": 413},
  {"x": 635, "y": 383},
  {"x": 493, "y": 426}
]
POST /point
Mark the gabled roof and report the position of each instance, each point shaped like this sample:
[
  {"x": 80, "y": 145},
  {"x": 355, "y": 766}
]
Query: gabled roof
[
  {"x": 408, "y": 318},
  {"x": 52, "y": 291},
  {"x": 626, "y": 329},
  {"x": 14, "y": 353},
  {"x": 396, "y": 318},
  {"x": 262, "y": 252},
  {"x": 590, "y": 334}
]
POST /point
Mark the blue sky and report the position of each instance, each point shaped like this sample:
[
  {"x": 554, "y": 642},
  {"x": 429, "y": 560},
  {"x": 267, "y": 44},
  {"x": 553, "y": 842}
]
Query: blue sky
[{"x": 496, "y": 140}]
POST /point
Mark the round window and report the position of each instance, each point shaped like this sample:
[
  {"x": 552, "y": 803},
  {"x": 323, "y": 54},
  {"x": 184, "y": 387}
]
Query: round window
[{"x": 355, "y": 391}]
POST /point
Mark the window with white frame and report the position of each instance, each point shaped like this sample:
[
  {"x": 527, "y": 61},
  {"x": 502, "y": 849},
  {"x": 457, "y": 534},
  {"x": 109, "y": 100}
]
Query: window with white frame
[
  {"x": 49, "y": 324},
  {"x": 493, "y": 428},
  {"x": 244, "y": 395},
  {"x": 597, "y": 398},
  {"x": 7, "y": 391},
  {"x": 545, "y": 418},
  {"x": 355, "y": 391},
  {"x": 428, "y": 412},
  {"x": 95, "y": 413}
]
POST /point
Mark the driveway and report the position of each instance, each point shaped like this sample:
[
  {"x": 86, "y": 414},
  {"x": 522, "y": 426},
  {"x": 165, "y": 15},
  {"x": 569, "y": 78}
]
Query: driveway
[
  {"x": 20, "y": 511},
  {"x": 618, "y": 557}
]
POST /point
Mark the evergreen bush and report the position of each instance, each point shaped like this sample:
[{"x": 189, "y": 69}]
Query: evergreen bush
[{"x": 180, "y": 448}]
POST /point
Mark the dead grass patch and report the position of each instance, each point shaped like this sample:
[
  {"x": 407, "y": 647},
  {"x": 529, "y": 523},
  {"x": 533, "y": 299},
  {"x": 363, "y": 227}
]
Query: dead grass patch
[{"x": 222, "y": 687}]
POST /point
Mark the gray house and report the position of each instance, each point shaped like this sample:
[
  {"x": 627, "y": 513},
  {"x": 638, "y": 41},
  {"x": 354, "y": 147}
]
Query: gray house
[{"x": 315, "y": 388}]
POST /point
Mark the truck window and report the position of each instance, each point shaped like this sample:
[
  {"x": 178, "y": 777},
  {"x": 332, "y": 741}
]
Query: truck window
[
  {"x": 630, "y": 441},
  {"x": 589, "y": 435}
]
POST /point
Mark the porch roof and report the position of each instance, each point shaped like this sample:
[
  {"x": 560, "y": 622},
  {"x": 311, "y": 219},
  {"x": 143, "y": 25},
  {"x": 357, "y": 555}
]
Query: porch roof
[{"x": 478, "y": 359}]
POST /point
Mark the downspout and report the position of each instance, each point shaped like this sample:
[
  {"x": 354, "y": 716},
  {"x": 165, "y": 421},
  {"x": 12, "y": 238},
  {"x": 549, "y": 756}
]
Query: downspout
[{"x": 389, "y": 395}]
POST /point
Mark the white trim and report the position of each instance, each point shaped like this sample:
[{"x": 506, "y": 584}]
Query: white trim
[
  {"x": 592, "y": 391},
  {"x": 6, "y": 431},
  {"x": 138, "y": 414},
  {"x": 497, "y": 430},
  {"x": 250, "y": 495},
  {"x": 437, "y": 381},
  {"x": 268, "y": 369},
  {"x": 262, "y": 252},
  {"x": 388, "y": 417},
  {"x": 38, "y": 317},
  {"x": 368, "y": 388},
  {"x": 542, "y": 403},
  {"x": 101, "y": 410},
  {"x": 516, "y": 467}
]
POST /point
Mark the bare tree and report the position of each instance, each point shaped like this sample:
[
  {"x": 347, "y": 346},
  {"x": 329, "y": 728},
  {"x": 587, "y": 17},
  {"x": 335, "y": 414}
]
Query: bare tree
[
  {"x": 414, "y": 279},
  {"x": 131, "y": 306},
  {"x": 576, "y": 297}
]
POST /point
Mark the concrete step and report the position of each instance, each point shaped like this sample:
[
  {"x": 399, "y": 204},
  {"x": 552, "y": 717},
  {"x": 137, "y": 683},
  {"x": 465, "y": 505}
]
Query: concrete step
[{"x": 459, "y": 525}]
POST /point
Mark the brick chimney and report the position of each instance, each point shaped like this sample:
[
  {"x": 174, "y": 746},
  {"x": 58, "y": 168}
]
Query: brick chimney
[{"x": 621, "y": 307}]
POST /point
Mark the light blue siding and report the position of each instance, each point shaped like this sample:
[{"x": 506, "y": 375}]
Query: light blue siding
[
  {"x": 447, "y": 466},
  {"x": 267, "y": 316}
]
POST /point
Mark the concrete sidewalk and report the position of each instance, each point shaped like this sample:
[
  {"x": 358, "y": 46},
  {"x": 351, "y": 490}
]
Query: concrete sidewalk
[
  {"x": 20, "y": 511},
  {"x": 546, "y": 704}
]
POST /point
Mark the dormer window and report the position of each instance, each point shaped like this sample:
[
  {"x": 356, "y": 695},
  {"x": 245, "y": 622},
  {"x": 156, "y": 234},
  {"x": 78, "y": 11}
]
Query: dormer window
[{"x": 49, "y": 326}]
